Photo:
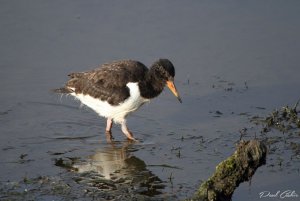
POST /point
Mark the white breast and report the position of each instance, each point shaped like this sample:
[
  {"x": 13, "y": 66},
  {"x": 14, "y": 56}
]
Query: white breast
[{"x": 118, "y": 112}]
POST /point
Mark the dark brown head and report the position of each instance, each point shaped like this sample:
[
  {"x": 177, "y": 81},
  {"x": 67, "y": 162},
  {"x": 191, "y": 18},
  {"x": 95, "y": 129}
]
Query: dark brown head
[{"x": 165, "y": 71}]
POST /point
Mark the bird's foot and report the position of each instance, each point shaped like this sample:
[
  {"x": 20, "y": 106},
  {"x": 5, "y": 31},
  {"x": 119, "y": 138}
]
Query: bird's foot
[
  {"x": 133, "y": 140},
  {"x": 109, "y": 137},
  {"x": 127, "y": 132},
  {"x": 130, "y": 137}
]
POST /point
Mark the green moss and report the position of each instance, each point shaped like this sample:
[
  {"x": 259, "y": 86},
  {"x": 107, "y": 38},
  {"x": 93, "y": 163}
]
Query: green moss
[
  {"x": 227, "y": 165},
  {"x": 231, "y": 172}
]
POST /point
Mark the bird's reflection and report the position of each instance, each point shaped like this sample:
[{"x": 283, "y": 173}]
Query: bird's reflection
[
  {"x": 105, "y": 161},
  {"x": 116, "y": 162}
]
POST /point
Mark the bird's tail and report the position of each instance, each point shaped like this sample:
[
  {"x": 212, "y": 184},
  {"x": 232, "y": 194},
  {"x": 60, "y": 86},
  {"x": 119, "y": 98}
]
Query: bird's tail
[
  {"x": 62, "y": 90},
  {"x": 70, "y": 86}
]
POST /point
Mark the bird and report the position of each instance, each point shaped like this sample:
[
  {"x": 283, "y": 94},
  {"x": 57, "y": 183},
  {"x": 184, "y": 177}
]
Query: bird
[{"x": 116, "y": 89}]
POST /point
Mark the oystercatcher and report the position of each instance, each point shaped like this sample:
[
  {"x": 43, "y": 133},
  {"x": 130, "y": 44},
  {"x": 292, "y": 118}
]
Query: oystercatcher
[{"x": 118, "y": 88}]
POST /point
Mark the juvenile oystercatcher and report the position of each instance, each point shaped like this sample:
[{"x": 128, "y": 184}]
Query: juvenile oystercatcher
[{"x": 118, "y": 88}]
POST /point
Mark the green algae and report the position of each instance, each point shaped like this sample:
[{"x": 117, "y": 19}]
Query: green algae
[{"x": 236, "y": 169}]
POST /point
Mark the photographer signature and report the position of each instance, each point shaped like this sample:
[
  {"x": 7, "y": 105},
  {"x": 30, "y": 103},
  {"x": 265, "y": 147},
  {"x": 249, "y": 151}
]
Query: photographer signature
[{"x": 278, "y": 194}]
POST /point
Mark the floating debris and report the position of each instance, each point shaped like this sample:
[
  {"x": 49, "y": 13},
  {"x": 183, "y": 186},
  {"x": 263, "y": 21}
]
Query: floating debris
[
  {"x": 284, "y": 119},
  {"x": 228, "y": 86},
  {"x": 281, "y": 130}
]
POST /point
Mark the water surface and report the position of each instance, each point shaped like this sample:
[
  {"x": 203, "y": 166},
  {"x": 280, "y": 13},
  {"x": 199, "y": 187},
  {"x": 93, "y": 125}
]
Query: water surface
[{"x": 233, "y": 60}]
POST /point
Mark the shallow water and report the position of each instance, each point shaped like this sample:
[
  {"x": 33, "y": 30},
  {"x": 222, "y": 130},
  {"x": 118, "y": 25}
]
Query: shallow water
[{"x": 233, "y": 61}]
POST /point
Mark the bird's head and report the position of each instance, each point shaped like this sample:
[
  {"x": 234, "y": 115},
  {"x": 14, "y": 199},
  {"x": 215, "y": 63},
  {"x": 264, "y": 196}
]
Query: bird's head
[{"x": 166, "y": 71}]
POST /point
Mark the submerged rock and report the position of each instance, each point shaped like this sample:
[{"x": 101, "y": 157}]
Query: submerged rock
[{"x": 236, "y": 169}]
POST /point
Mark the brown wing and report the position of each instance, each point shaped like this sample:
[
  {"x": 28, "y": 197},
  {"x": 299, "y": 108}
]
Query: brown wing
[{"x": 108, "y": 82}]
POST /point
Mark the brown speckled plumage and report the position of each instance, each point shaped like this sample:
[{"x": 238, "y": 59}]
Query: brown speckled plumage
[{"x": 108, "y": 82}]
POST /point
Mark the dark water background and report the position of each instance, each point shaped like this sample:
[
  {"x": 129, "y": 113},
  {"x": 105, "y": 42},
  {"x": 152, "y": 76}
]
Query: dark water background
[{"x": 233, "y": 60}]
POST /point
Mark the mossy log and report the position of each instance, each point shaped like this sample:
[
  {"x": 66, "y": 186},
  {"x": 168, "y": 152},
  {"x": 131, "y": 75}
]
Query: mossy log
[{"x": 236, "y": 169}]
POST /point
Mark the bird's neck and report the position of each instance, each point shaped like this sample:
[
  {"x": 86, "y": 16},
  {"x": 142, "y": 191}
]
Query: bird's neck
[{"x": 152, "y": 86}]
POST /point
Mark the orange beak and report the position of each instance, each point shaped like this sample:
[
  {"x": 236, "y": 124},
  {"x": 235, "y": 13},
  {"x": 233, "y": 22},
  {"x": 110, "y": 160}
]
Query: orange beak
[{"x": 172, "y": 87}]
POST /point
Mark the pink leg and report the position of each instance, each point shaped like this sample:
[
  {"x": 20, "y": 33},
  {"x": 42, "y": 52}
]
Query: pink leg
[
  {"x": 126, "y": 131},
  {"x": 109, "y": 124}
]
